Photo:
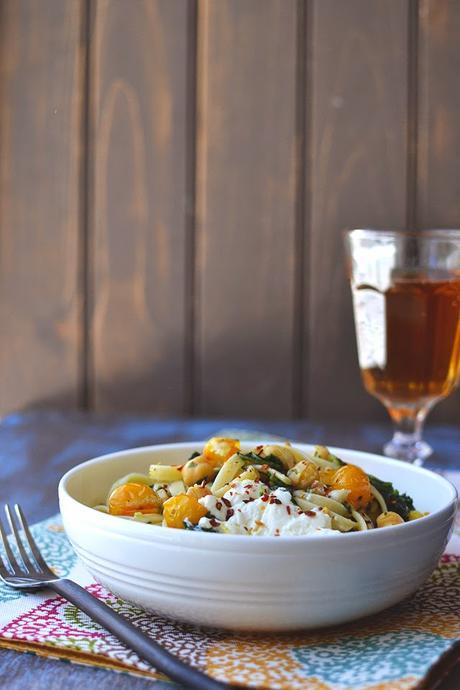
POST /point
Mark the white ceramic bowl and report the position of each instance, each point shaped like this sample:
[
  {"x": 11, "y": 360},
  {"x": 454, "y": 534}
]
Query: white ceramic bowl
[{"x": 255, "y": 583}]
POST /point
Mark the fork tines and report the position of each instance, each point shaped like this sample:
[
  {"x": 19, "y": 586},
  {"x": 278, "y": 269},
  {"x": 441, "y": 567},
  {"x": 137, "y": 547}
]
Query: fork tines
[{"x": 28, "y": 562}]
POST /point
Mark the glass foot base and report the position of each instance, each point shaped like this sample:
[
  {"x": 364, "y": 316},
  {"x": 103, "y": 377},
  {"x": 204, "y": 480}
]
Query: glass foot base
[{"x": 415, "y": 452}]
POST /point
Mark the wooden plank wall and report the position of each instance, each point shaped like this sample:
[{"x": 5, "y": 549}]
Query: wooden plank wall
[
  {"x": 437, "y": 193},
  {"x": 246, "y": 206},
  {"x": 137, "y": 220},
  {"x": 174, "y": 179},
  {"x": 358, "y": 132},
  {"x": 41, "y": 93}
]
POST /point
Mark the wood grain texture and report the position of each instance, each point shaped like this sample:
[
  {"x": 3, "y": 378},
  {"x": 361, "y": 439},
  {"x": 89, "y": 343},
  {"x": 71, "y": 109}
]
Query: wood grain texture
[
  {"x": 358, "y": 96},
  {"x": 41, "y": 89},
  {"x": 106, "y": 284},
  {"x": 438, "y": 183},
  {"x": 246, "y": 183},
  {"x": 139, "y": 203}
]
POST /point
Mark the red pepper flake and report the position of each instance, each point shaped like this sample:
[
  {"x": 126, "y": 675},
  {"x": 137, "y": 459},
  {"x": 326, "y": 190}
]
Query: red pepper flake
[
  {"x": 218, "y": 505},
  {"x": 277, "y": 533},
  {"x": 264, "y": 498},
  {"x": 273, "y": 499},
  {"x": 230, "y": 512},
  {"x": 213, "y": 522},
  {"x": 226, "y": 502},
  {"x": 288, "y": 508},
  {"x": 310, "y": 513}
]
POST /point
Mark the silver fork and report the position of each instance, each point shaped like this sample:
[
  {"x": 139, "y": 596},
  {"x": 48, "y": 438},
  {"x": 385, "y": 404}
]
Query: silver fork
[{"x": 30, "y": 571}]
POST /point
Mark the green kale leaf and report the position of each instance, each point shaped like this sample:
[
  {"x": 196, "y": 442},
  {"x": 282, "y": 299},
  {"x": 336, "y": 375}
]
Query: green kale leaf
[
  {"x": 270, "y": 460},
  {"x": 398, "y": 503}
]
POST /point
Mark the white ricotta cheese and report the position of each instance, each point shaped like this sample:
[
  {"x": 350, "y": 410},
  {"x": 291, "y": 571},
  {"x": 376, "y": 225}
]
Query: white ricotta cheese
[{"x": 249, "y": 507}]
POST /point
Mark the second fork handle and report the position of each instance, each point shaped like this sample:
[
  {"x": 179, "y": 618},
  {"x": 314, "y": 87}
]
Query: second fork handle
[{"x": 135, "y": 639}]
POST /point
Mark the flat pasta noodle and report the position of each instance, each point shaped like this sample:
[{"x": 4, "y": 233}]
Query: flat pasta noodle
[
  {"x": 339, "y": 522},
  {"x": 164, "y": 473},
  {"x": 304, "y": 503},
  {"x": 343, "y": 524},
  {"x": 327, "y": 502},
  {"x": 278, "y": 475},
  {"x": 229, "y": 470},
  {"x": 222, "y": 491},
  {"x": 250, "y": 474},
  {"x": 362, "y": 525},
  {"x": 340, "y": 495},
  {"x": 149, "y": 518},
  {"x": 379, "y": 498},
  {"x": 177, "y": 487},
  {"x": 321, "y": 462}
]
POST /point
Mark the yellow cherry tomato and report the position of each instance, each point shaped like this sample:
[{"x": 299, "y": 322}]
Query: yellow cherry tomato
[
  {"x": 180, "y": 508},
  {"x": 327, "y": 476},
  {"x": 356, "y": 481},
  {"x": 218, "y": 450},
  {"x": 131, "y": 498},
  {"x": 198, "y": 491},
  {"x": 389, "y": 519},
  {"x": 197, "y": 469}
]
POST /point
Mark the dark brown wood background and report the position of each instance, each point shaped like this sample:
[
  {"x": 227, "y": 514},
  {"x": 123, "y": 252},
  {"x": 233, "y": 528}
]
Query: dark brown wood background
[{"x": 174, "y": 178}]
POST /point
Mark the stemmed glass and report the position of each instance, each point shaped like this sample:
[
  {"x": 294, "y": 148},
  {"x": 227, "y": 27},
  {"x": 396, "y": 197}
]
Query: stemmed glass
[{"x": 406, "y": 300}]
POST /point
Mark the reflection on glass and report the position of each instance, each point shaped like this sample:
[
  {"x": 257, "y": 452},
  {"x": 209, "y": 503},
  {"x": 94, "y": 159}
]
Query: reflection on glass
[{"x": 406, "y": 299}]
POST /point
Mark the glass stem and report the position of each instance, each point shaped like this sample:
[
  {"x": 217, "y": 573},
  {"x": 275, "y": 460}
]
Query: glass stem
[
  {"x": 408, "y": 424},
  {"x": 407, "y": 443}
]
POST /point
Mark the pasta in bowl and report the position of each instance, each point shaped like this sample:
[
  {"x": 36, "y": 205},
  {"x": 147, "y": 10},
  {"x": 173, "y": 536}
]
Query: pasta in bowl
[
  {"x": 270, "y": 490},
  {"x": 228, "y": 579}
]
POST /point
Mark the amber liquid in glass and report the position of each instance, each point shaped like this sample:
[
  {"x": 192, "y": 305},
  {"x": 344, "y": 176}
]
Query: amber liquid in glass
[{"x": 421, "y": 348}]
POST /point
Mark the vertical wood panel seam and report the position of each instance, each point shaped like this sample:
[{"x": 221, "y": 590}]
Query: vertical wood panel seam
[
  {"x": 412, "y": 219},
  {"x": 3, "y": 161},
  {"x": 299, "y": 341},
  {"x": 303, "y": 205},
  {"x": 190, "y": 219},
  {"x": 202, "y": 64},
  {"x": 85, "y": 181}
]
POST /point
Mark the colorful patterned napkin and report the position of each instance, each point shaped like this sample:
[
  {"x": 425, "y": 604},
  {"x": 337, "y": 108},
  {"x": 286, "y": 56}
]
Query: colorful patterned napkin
[{"x": 392, "y": 651}]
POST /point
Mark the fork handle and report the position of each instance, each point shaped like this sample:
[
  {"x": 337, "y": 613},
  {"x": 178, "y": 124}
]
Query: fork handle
[{"x": 135, "y": 639}]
